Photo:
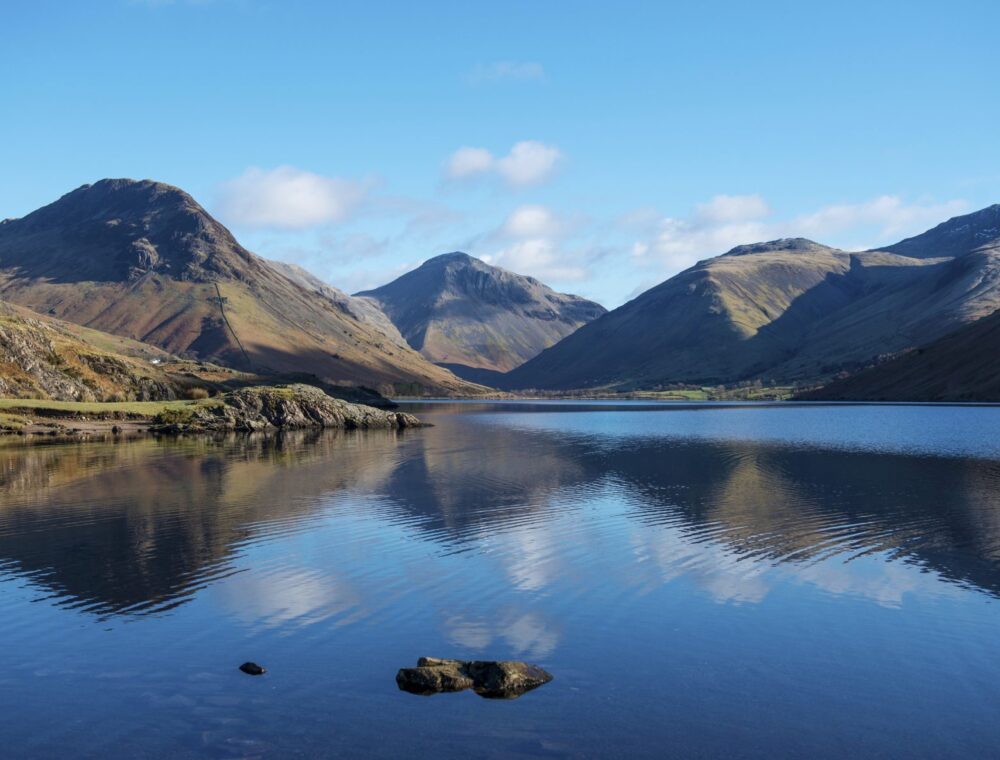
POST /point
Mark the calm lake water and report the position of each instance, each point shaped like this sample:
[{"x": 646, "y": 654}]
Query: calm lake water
[{"x": 703, "y": 581}]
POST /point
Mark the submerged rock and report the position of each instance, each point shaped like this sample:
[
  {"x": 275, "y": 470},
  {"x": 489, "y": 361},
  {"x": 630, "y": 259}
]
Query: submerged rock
[
  {"x": 252, "y": 669},
  {"x": 506, "y": 679}
]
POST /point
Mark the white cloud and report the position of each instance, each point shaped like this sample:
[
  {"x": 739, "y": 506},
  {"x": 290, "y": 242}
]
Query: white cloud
[
  {"x": 531, "y": 221},
  {"x": 531, "y": 241},
  {"x": 892, "y": 217},
  {"x": 289, "y": 198},
  {"x": 529, "y": 162},
  {"x": 538, "y": 257},
  {"x": 468, "y": 162},
  {"x": 502, "y": 71},
  {"x": 725, "y": 221},
  {"x": 724, "y": 209}
]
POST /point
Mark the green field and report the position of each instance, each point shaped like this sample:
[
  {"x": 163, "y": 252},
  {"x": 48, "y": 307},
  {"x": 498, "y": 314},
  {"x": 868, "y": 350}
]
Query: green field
[{"x": 773, "y": 393}]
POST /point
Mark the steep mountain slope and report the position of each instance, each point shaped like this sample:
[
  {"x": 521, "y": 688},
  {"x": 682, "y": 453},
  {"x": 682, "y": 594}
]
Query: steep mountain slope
[
  {"x": 463, "y": 313},
  {"x": 788, "y": 310},
  {"x": 43, "y": 358},
  {"x": 962, "y": 366},
  {"x": 143, "y": 260},
  {"x": 362, "y": 309}
]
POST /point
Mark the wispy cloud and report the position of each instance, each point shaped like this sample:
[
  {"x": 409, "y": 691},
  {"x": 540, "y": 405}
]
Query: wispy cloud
[
  {"x": 529, "y": 162},
  {"x": 289, "y": 198},
  {"x": 725, "y": 221},
  {"x": 506, "y": 71}
]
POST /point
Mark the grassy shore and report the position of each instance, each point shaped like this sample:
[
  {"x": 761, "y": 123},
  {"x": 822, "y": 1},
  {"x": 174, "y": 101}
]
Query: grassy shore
[
  {"x": 109, "y": 408},
  {"x": 42, "y": 415}
]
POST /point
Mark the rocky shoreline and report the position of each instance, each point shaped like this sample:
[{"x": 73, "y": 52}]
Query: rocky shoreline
[
  {"x": 247, "y": 410},
  {"x": 291, "y": 407}
]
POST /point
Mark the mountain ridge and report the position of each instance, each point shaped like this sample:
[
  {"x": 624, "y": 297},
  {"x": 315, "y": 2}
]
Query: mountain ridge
[{"x": 787, "y": 311}]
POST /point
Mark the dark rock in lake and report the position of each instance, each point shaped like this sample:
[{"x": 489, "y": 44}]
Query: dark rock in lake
[
  {"x": 252, "y": 669},
  {"x": 433, "y": 676},
  {"x": 506, "y": 679}
]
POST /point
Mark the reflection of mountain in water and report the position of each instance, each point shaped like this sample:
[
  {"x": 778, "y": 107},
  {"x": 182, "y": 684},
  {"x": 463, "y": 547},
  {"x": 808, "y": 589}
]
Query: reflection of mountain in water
[
  {"x": 141, "y": 526},
  {"x": 136, "y": 526},
  {"x": 770, "y": 503}
]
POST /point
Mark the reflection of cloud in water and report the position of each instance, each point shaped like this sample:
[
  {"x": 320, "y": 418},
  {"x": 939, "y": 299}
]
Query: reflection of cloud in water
[
  {"x": 286, "y": 596},
  {"x": 730, "y": 577},
  {"x": 886, "y": 583},
  {"x": 528, "y": 556},
  {"x": 710, "y": 566},
  {"x": 526, "y": 633}
]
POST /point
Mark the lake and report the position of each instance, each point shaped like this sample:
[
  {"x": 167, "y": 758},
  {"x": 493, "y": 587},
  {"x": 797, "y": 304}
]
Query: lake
[{"x": 703, "y": 580}]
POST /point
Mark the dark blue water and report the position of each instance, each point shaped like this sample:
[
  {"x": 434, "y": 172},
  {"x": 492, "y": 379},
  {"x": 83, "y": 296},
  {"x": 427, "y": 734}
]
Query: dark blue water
[{"x": 703, "y": 581}]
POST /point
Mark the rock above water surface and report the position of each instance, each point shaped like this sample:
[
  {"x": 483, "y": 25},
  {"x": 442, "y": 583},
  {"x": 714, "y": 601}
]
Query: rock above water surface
[
  {"x": 252, "y": 669},
  {"x": 286, "y": 407},
  {"x": 507, "y": 679},
  {"x": 433, "y": 676}
]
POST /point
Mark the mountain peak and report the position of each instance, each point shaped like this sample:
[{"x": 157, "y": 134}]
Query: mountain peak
[
  {"x": 798, "y": 245},
  {"x": 120, "y": 229},
  {"x": 454, "y": 256},
  {"x": 123, "y": 190},
  {"x": 459, "y": 311}
]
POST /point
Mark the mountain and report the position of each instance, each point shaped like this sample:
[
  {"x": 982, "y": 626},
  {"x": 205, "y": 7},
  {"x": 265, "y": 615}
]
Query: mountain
[
  {"x": 143, "y": 260},
  {"x": 478, "y": 319},
  {"x": 789, "y": 310},
  {"x": 962, "y": 366},
  {"x": 43, "y": 358}
]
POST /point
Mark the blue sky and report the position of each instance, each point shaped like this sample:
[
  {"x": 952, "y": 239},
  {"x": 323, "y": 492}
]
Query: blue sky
[{"x": 599, "y": 146}]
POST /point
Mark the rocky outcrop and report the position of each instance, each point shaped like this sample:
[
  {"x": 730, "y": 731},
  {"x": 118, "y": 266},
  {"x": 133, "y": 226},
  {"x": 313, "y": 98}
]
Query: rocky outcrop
[
  {"x": 287, "y": 407},
  {"x": 40, "y": 358},
  {"x": 505, "y": 679}
]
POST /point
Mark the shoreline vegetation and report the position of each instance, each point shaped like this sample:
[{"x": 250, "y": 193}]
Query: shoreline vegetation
[
  {"x": 299, "y": 406},
  {"x": 753, "y": 392}
]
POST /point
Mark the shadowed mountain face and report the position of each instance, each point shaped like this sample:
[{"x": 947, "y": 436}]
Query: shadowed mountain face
[
  {"x": 961, "y": 366},
  {"x": 463, "y": 313},
  {"x": 143, "y": 260},
  {"x": 788, "y": 310}
]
